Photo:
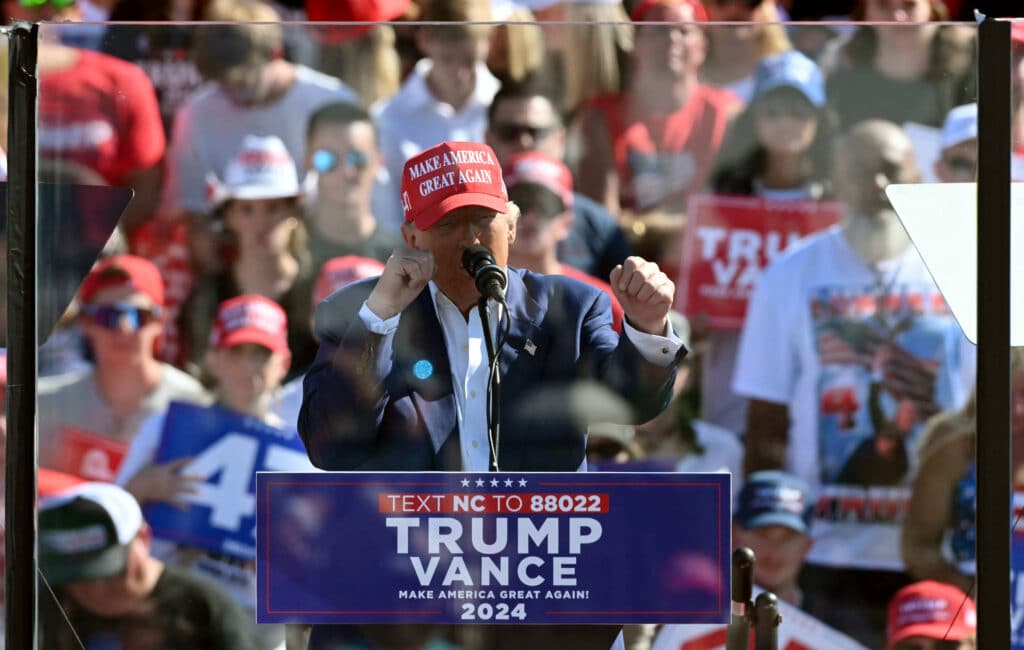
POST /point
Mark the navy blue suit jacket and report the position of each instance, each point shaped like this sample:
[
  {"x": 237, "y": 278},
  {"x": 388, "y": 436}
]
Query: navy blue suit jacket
[{"x": 377, "y": 403}]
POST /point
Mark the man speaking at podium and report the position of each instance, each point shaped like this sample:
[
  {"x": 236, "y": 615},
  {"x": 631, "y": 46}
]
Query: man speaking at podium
[{"x": 400, "y": 380}]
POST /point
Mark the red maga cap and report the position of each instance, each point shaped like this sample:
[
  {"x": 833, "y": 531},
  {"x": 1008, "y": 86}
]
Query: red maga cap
[
  {"x": 123, "y": 270},
  {"x": 540, "y": 169},
  {"x": 250, "y": 318},
  {"x": 932, "y": 610},
  {"x": 449, "y": 176},
  {"x": 339, "y": 272}
]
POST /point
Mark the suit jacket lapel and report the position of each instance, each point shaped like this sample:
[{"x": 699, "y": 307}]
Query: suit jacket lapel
[
  {"x": 525, "y": 335},
  {"x": 423, "y": 355}
]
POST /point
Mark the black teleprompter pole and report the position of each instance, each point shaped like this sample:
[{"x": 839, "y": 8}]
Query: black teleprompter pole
[
  {"x": 21, "y": 478},
  {"x": 993, "y": 440}
]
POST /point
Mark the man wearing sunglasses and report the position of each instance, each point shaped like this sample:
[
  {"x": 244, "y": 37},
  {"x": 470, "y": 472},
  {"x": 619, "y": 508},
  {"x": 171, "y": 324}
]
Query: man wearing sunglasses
[
  {"x": 523, "y": 118},
  {"x": 120, "y": 314},
  {"x": 343, "y": 151}
]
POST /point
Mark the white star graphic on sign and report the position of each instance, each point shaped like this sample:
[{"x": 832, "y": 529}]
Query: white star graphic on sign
[
  {"x": 494, "y": 482},
  {"x": 465, "y": 482},
  {"x": 522, "y": 482},
  {"x": 508, "y": 482},
  {"x": 479, "y": 482}
]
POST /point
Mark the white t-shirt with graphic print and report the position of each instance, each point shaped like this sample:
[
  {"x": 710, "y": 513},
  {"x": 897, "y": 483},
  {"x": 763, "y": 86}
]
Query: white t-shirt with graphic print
[{"x": 861, "y": 356}]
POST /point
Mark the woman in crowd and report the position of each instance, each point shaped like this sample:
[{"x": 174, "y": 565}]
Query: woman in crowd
[
  {"x": 943, "y": 500},
  {"x": 778, "y": 148},
  {"x": 920, "y": 68},
  {"x": 652, "y": 144},
  {"x": 259, "y": 205}
]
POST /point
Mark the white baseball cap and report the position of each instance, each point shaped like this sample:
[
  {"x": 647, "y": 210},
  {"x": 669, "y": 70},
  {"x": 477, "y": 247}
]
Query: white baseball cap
[
  {"x": 262, "y": 169},
  {"x": 961, "y": 125}
]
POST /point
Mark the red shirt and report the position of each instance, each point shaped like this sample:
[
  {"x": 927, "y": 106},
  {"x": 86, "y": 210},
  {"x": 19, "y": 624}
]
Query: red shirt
[
  {"x": 101, "y": 113},
  {"x": 664, "y": 158},
  {"x": 576, "y": 274}
]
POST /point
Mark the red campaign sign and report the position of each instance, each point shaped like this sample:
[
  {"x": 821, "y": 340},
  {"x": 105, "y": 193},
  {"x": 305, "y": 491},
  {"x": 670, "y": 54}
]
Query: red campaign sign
[
  {"x": 90, "y": 455},
  {"x": 729, "y": 240}
]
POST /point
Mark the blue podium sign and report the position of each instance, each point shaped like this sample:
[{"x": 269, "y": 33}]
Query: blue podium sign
[
  {"x": 227, "y": 449},
  {"x": 454, "y": 547}
]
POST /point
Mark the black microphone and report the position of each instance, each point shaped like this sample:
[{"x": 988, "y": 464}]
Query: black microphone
[{"x": 490, "y": 278}]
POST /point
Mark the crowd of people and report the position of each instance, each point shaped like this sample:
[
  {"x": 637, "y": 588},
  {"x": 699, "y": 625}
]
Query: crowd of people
[{"x": 269, "y": 162}]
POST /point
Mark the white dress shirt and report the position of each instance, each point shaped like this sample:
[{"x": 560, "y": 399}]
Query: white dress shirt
[{"x": 467, "y": 356}]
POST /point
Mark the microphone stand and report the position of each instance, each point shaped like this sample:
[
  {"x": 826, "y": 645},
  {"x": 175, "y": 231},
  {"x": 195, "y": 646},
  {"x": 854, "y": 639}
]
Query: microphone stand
[
  {"x": 763, "y": 615},
  {"x": 493, "y": 396}
]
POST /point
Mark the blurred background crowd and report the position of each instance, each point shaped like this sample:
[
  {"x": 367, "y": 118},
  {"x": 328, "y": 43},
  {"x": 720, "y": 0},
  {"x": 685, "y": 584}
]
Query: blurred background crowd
[{"x": 265, "y": 149}]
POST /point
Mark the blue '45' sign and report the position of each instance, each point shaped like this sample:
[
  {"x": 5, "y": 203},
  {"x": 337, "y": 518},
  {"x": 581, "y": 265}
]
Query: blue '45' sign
[{"x": 227, "y": 449}]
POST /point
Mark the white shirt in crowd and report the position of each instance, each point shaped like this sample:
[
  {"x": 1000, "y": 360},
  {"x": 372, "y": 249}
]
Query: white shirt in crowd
[
  {"x": 813, "y": 340},
  {"x": 413, "y": 120},
  {"x": 467, "y": 356},
  {"x": 209, "y": 129}
]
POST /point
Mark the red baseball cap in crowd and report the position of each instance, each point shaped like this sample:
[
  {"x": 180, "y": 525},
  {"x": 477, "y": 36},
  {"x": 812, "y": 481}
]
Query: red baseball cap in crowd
[
  {"x": 930, "y": 609},
  {"x": 339, "y": 272},
  {"x": 449, "y": 176},
  {"x": 123, "y": 270},
  {"x": 645, "y": 10},
  {"x": 538, "y": 168},
  {"x": 250, "y": 318},
  {"x": 350, "y": 11}
]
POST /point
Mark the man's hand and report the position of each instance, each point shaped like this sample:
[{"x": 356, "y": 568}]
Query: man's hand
[
  {"x": 405, "y": 274},
  {"x": 645, "y": 294}
]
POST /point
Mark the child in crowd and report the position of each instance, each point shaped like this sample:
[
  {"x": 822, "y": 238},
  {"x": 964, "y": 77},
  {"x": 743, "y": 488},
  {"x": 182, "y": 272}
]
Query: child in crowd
[
  {"x": 248, "y": 358},
  {"x": 773, "y": 519}
]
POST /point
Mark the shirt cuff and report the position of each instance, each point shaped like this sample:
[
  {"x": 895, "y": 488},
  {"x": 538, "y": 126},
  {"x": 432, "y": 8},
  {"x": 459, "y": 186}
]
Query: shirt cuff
[
  {"x": 659, "y": 350},
  {"x": 375, "y": 323}
]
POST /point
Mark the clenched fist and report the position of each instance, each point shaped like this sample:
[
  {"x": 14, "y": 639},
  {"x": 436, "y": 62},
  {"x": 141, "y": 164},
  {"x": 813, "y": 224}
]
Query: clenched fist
[
  {"x": 645, "y": 294},
  {"x": 405, "y": 274}
]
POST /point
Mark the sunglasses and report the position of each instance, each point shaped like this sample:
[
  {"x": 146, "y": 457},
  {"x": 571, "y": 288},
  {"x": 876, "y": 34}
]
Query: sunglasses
[
  {"x": 325, "y": 160},
  {"x": 120, "y": 315},
  {"x": 510, "y": 132},
  {"x": 35, "y": 4}
]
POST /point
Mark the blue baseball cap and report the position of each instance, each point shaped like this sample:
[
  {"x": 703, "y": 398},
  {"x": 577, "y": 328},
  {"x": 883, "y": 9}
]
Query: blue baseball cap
[
  {"x": 774, "y": 498},
  {"x": 791, "y": 70},
  {"x": 960, "y": 125}
]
